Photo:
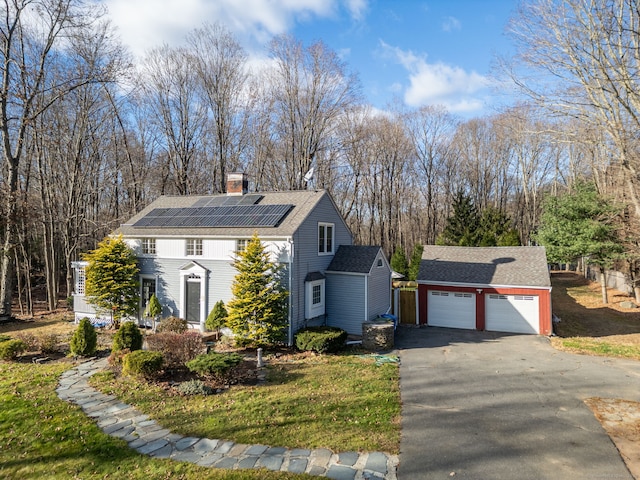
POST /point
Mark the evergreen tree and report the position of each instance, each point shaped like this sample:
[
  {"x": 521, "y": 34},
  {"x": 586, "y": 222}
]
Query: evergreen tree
[
  {"x": 580, "y": 224},
  {"x": 217, "y": 317},
  {"x": 258, "y": 311},
  {"x": 495, "y": 229},
  {"x": 399, "y": 262},
  {"x": 112, "y": 278},
  {"x": 462, "y": 226},
  {"x": 416, "y": 259},
  {"x": 84, "y": 340}
]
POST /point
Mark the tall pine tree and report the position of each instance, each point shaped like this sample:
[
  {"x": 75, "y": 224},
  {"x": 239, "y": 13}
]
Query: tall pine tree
[
  {"x": 581, "y": 223},
  {"x": 112, "y": 278},
  {"x": 399, "y": 262},
  {"x": 257, "y": 314},
  {"x": 462, "y": 228}
]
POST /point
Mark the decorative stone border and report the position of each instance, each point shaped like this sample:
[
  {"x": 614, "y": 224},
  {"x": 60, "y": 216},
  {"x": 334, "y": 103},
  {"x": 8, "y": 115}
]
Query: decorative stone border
[{"x": 146, "y": 436}]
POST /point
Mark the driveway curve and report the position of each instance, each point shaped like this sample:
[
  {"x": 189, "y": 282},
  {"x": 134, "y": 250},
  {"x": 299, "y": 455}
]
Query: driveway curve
[{"x": 485, "y": 405}]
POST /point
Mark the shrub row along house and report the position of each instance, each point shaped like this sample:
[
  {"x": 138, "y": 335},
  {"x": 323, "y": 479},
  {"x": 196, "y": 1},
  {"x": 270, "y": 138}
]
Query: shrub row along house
[{"x": 186, "y": 246}]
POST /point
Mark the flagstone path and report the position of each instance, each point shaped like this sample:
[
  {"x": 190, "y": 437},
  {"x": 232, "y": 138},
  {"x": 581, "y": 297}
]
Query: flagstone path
[{"x": 146, "y": 436}]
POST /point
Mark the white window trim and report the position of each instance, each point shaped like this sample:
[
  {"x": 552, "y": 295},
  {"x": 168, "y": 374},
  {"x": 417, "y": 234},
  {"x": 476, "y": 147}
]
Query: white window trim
[
  {"x": 150, "y": 242},
  {"x": 241, "y": 244},
  {"x": 311, "y": 310},
  {"x": 79, "y": 277},
  {"x": 195, "y": 270},
  {"x": 196, "y": 242},
  {"x": 333, "y": 238}
]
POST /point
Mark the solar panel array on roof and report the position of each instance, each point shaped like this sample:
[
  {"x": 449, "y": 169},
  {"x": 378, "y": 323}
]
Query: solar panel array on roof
[
  {"x": 215, "y": 216},
  {"x": 228, "y": 200}
]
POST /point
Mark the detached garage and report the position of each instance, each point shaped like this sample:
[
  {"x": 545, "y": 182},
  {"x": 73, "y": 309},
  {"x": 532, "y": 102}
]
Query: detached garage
[{"x": 502, "y": 289}]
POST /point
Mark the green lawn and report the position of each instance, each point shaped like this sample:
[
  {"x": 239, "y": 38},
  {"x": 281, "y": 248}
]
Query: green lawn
[
  {"x": 587, "y": 325},
  {"x": 43, "y": 437},
  {"x": 342, "y": 402}
]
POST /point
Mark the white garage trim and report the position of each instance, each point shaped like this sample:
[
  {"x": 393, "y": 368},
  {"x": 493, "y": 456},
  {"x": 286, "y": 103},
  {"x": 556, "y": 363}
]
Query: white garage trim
[
  {"x": 451, "y": 309},
  {"x": 512, "y": 313}
]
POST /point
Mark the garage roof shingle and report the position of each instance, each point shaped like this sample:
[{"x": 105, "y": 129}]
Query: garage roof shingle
[{"x": 506, "y": 266}]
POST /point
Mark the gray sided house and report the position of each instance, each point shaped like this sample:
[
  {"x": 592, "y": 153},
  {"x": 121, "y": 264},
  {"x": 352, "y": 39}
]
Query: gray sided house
[
  {"x": 186, "y": 246},
  {"x": 358, "y": 282}
]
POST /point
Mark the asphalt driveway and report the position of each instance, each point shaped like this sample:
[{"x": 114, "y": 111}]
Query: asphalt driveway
[{"x": 482, "y": 405}]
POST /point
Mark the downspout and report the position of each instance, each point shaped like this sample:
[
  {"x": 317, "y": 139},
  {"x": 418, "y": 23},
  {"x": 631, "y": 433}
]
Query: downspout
[
  {"x": 290, "y": 314},
  {"x": 366, "y": 298}
]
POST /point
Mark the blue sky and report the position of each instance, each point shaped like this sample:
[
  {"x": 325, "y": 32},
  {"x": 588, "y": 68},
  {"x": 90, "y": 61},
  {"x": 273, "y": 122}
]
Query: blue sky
[{"x": 418, "y": 52}]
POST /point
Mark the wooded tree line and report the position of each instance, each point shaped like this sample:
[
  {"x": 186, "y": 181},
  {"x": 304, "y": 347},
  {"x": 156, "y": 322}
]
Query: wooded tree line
[{"x": 89, "y": 137}]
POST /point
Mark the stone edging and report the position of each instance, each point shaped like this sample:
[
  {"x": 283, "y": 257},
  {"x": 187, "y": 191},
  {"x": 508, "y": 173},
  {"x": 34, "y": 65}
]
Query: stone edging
[{"x": 146, "y": 436}]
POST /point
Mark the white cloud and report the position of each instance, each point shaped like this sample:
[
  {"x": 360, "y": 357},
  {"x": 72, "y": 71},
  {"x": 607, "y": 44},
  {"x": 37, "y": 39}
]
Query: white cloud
[
  {"x": 144, "y": 24},
  {"x": 357, "y": 8},
  {"x": 439, "y": 83},
  {"x": 450, "y": 24}
]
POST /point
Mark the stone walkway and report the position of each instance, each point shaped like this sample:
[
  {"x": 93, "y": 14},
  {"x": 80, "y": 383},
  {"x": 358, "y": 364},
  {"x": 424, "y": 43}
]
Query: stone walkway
[{"x": 149, "y": 438}]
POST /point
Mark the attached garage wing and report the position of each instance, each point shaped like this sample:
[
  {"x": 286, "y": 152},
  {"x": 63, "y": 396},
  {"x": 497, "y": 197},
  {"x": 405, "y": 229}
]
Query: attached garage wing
[
  {"x": 512, "y": 313},
  {"x": 451, "y": 309}
]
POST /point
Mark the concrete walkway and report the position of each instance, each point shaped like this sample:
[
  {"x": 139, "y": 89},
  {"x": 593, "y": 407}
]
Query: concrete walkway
[{"x": 123, "y": 421}]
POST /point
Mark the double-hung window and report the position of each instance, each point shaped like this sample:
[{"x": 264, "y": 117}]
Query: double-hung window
[
  {"x": 194, "y": 247},
  {"x": 325, "y": 238}
]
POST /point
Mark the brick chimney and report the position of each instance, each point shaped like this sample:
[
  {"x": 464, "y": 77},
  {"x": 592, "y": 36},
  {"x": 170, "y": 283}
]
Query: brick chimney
[{"x": 237, "y": 184}]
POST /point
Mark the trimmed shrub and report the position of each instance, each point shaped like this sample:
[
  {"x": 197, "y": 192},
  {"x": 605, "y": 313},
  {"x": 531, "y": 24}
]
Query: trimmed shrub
[
  {"x": 10, "y": 349},
  {"x": 84, "y": 340},
  {"x": 173, "y": 324},
  {"x": 217, "y": 316},
  {"x": 195, "y": 387},
  {"x": 321, "y": 339},
  {"x": 154, "y": 308},
  {"x": 176, "y": 348},
  {"x": 215, "y": 365},
  {"x": 127, "y": 336},
  {"x": 48, "y": 342},
  {"x": 142, "y": 362}
]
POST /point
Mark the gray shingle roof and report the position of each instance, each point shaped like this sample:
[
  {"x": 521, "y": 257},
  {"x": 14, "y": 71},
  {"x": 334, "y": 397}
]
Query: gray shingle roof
[
  {"x": 303, "y": 202},
  {"x": 513, "y": 266},
  {"x": 354, "y": 258}
]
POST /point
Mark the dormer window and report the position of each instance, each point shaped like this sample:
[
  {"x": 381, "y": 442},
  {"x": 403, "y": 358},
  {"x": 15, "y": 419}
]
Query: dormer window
[{"x": 325, "y": 238}]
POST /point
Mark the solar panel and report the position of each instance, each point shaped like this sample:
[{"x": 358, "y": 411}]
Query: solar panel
[
  {"x": 215, "y": 216},
  {"x": 228, "y": 200}
]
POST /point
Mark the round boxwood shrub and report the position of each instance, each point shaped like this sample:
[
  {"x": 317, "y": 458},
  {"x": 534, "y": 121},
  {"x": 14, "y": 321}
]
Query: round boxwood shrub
[
  {"x": 10, "y": 349},
  {"x": 216, "y": 365},
  {"x": 173, "y": 324},
  {"x": 127, "y": 336},
  {"x": 321, "y": 339},
  {"x": 84, "y": 340},
  {"x": 142, "y": 362}
]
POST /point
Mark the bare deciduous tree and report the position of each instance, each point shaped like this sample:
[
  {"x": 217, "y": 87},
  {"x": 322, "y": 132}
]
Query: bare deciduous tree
[
  {"x": 311, "y": 90},
  {"x": 221, "y": 70},
  {"x": 35, "y": 36}
]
